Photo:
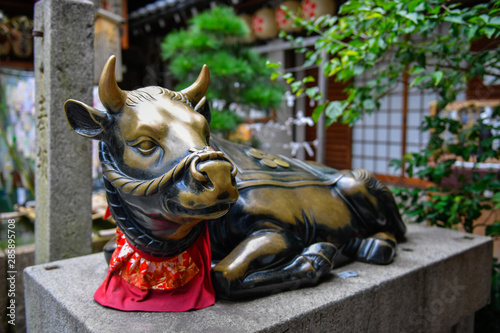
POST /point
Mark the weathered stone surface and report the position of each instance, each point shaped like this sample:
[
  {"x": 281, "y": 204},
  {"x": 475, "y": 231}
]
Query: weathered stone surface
[
  {"x": 439, "y": 278},
  {"x": 63, "y": 69}
]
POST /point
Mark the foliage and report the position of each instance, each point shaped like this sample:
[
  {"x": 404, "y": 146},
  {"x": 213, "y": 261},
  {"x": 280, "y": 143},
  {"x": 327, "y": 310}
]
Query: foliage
[
  {"x": 237, "y": 74},
  {"x": 429, "y": 40},
  {"x": 427, "y": 44},
  {"x": 224, "y": 121},
  {"x": 474, "y": 192}
]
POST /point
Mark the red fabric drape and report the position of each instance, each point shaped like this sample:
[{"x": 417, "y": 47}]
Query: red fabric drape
[{"x": 198, "y": 293}]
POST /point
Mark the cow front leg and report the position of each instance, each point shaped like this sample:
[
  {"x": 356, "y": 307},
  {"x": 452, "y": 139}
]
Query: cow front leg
[
  {"x": 377, "y": 249},
  {"x": 271, "y": 262}
]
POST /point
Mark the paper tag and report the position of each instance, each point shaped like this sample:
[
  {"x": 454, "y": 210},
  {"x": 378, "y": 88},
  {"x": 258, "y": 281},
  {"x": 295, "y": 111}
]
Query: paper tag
[{"x": 347, "y": 274}]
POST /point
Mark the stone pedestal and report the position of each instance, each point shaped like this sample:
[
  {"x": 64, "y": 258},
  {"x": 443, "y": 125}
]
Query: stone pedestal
[{"x": 436, "y": 283}]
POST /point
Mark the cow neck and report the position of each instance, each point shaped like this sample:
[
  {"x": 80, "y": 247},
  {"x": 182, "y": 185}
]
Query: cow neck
[{"x": 138, "y": 236}]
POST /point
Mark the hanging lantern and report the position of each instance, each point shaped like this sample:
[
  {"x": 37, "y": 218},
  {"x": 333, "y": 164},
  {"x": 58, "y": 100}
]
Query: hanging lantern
[
  {"x": 263, "y": 24},
  {"x": 284, "y": 23},
  {"x": 312, "y": 9},
  {"x": 4, "y": 38},
  {"x": 248, "y": 21},
  {"x": 21, "y": 36}
]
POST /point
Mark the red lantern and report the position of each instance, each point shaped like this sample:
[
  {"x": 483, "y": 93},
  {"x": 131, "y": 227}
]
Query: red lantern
[
  {"x": 4, "y": 38},
  {"x": 314, "y": 8},
  {"x": 21, "y": 36},
  {"x": 248, "y": 21},
  {"x": 284, "y": 23},
  {"x": 263, "y": 24}
]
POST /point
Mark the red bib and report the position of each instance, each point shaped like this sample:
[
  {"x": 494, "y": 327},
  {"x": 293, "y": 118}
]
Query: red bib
[{"x": 137, "y": 282}]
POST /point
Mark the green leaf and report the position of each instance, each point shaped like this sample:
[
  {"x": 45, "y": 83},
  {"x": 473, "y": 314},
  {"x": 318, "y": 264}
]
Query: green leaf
[
  {"x": 318, "y": 110},
  {"x": 350, "y": 53},
  {"x": 273, "y": 65},
  {"x": 334, "y": 110},
  {"x": 275, "y": 75},
  {"x": 495, "y": 21},
  {"x": 496, "y": 198},
  {"x": 485, "y": 18},
  {"x": 454, "y": 19},
  {"x": 472, "y": 32},
  {"x": 417, "y": 70},
  {"x": 311, "y": 92},
  {"x": 418, "y": 80},
  {"x": 396, "y": 164},
  {"x": 489, "y": 31},
  {"x": 413, "y": 5},
  {"x": 437, "y": 77},
  {"x": 369, "y": 104},
  {"x": 493, "y": 230},
  {"x": 308, "y": 79},
  {"x": 373, "y": 15},
  {"x": 295, "y": 86},
  {"x": 412, "y": 17}
]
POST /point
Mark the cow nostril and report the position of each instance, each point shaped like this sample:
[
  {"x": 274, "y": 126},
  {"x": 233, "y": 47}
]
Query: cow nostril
[
  {"x": 223, "y": 196},
  {"x": 199, "y": 176}
]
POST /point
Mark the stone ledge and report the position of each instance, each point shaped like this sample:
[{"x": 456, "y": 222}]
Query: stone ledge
[{"x": 438, "y": 280}]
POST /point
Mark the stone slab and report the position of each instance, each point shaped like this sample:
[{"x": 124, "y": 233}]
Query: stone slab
[{"x": 439, "y": 278}]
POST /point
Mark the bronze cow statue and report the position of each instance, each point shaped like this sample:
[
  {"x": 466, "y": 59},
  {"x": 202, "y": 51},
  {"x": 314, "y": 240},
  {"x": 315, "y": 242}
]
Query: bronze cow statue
[{"x": 275, "y": 223}]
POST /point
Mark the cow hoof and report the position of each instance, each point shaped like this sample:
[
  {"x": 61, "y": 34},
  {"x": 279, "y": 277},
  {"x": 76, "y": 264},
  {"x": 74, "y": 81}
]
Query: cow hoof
[
  {"x": 313, "y": 263},
  {"x": 222, "y": 285},
  {"x": 376, "y": 251},
  {"x": 321, "y": 255}
]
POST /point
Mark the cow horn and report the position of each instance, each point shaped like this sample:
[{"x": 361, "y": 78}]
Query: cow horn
[
  {"x": 195, "y": 92},
  {"x": 112, "y": 97}
]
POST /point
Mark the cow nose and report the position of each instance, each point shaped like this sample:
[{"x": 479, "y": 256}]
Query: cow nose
[
  {"x": 216, "y": 179},
  {"x": 220, "y": 183}
]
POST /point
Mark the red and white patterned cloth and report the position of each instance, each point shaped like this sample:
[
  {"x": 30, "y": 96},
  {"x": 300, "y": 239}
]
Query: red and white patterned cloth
[
  {"x": 146, "y": 274},
  {"x": 138, "y": 282}
]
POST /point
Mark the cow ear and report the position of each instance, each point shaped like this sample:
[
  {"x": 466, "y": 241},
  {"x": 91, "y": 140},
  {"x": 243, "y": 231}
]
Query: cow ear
[
  {"x": 203, "y": 108},
  {"x": 85, "y": 120}
]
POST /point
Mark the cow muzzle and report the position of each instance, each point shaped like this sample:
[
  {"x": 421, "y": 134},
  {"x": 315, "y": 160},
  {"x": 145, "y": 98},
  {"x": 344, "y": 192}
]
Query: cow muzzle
[
  {"x": 207, "y": 189},
  {"x": 201, "y": 186}
]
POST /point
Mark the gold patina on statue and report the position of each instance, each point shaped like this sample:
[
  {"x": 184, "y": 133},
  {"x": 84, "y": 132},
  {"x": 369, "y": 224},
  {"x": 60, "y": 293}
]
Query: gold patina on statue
[{"x": 274, "y": 222}]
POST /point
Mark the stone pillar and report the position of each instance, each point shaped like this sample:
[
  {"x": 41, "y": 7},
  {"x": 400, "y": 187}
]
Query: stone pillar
[{"x": 64, "y": 68}]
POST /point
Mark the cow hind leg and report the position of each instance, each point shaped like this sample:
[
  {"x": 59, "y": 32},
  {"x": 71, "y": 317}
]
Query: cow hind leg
[
  {"x": 382, "y": 214},
  {"x": 378, "y": 220},
  {"x": 271, "y": 261}
]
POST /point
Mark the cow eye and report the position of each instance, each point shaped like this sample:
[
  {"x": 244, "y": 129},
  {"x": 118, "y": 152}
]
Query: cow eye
[{"x": 146, "y": 146}]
